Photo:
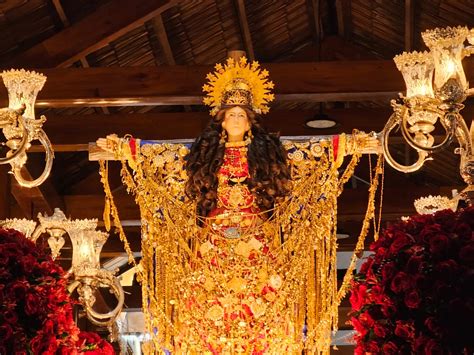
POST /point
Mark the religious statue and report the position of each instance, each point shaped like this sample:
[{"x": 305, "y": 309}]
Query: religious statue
[{"x": 239, "y": 230}]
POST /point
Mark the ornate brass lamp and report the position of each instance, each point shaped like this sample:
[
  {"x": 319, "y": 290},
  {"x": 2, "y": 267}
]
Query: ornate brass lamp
[
  {"x": 19, "y": 125},
  {"x": 436, "y": 89},
  {"x": 85, "y": 273}
]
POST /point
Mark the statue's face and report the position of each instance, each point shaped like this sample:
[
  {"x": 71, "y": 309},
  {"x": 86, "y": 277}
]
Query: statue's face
[{"x": 236, "y": 123}]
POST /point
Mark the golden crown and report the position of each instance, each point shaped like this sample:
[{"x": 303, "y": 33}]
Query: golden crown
[{"x": 238, "y": 83}]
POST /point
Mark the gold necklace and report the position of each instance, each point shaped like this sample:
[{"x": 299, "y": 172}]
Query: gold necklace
[{"x": 238, "y": 144}]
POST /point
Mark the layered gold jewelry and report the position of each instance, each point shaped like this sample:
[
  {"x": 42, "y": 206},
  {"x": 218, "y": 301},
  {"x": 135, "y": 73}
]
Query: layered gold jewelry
[
  {"x": 240, "y": 282},
  {"x": 238, "y": 144}
]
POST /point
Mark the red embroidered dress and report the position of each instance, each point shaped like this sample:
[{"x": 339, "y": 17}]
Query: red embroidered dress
[
  {"x": 236, "y": 209},
  {"x": 231, "y": 307}
]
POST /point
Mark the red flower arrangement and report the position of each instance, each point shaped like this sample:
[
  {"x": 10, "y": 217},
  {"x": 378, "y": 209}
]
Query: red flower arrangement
[
  {"x": 92, "y": 344},
  {"x": 415, "y": 294},
  {"x": 35, "y": 308}
]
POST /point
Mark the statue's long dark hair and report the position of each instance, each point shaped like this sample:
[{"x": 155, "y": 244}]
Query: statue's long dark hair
[{"x": 269, "y": 173}]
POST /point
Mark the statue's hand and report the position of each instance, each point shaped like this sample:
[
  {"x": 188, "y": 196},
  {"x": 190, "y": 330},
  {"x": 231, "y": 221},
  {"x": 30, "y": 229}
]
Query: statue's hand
[
  {"x": 109, "y": 144},
  {"x": 373, "y": 143}
]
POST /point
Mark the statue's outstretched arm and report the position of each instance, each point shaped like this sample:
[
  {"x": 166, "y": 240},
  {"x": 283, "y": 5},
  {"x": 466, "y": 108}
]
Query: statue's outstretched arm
[
  {"x": 122, "y": 148},
  {"x": 363, "y": 143}
]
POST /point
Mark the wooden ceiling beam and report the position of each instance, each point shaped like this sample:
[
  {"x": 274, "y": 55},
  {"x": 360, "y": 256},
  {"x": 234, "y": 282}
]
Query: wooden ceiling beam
[
  {"x": 75, "y": 132},
  {"x": 163, "y": 40},
  {"x": 344, "y": 18},
  {"x": 165, "y": 46},
  {"x": 72, "y": 129},
  {"x": 60, "y": 11},
  {"x": 332, "y": 48},
  {"x": 107, "y": 23},
  {"x": 182, "y": 85},
  {"x": 178, "y": 85},
  {"x": 245, "y": 29},
  {"x": 314, "y": 17},
  {"x": 409, "y": 24}
]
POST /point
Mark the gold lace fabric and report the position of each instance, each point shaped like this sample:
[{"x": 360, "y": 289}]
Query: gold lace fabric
[{"x": 249, "y": 292}]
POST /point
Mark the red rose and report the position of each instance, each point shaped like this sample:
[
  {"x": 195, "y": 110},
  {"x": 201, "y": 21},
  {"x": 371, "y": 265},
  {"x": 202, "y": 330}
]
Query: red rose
[
  {"x": 464, "y": 231},
  {"x": 377, "y": 294},
  {"x": 33, "y": 288},
  {"x": 414, "y": 264},
  {"x": 32, "y": 304},
  {"x": 432, "y": 324},
  {"x": 366, "y": 265},
  {"x": 428, "y": 258},
  {"x": 423, "y": 219},
  {"x": 432, "y": 347},
  {"x": 390, "y": 348},
  {"x": 35, "y": 344},
  {"x": 388, "y": 310},
  {"x": 404, "y": 329},
  {"x": 359, "y": 327},
  {"x": 10, "y": 316},
  {"x": 28, "y": 263},
  {"x": 428, "y": 232},
  {"x": 3, "y": 257},
  {"x": 400, "y": 241},
  {"x": 467, "y": 216},
  {"x": 5, "y": 331},
  {"x": 466, "y": 255},
  {"x": 18, "y": 289},
  {"x": 380, "y": 253},
  {"x": 412, "y": 299},
  {"x": 380, "y": 243},
  {"x": 379, "y": 330},
  {"x": 48, "y": 326},
  {"x": 388, "y": 271},
  {"x": 358, "y": 296},
  {"x": 446, "y": 218},
  {"x": 373, "y": 347},
  {"x": 419, "y": 344},
  {"x": 399, "y": 282},
  {"x": 366, "y": 319},
  {"x": 439, "y": 244},
  {"x": 447, "y": 269},
  {"x": 52, "y": 345},
  {"x": 441, "y": 289}
]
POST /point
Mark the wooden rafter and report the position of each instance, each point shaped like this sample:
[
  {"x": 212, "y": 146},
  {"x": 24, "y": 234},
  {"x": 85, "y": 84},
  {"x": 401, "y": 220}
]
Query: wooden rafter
[
  {"x": 332, "y": 48},
  {"x": 182, "y": 85},
  {"x": 108, "y": 23},
  {"x": 409, "y": 24},
  {"x": 344, "y": 22},
  {"x": 62, "y": 15},
  {"x": 73, "y": 133},
  {"x": 70, "y": 130},
  {"x": 245, "y": 29},
  {"x": 60, "y": 11},
  {"x": 165, "y": 47},
  {"x": 315, "y": 21}
]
